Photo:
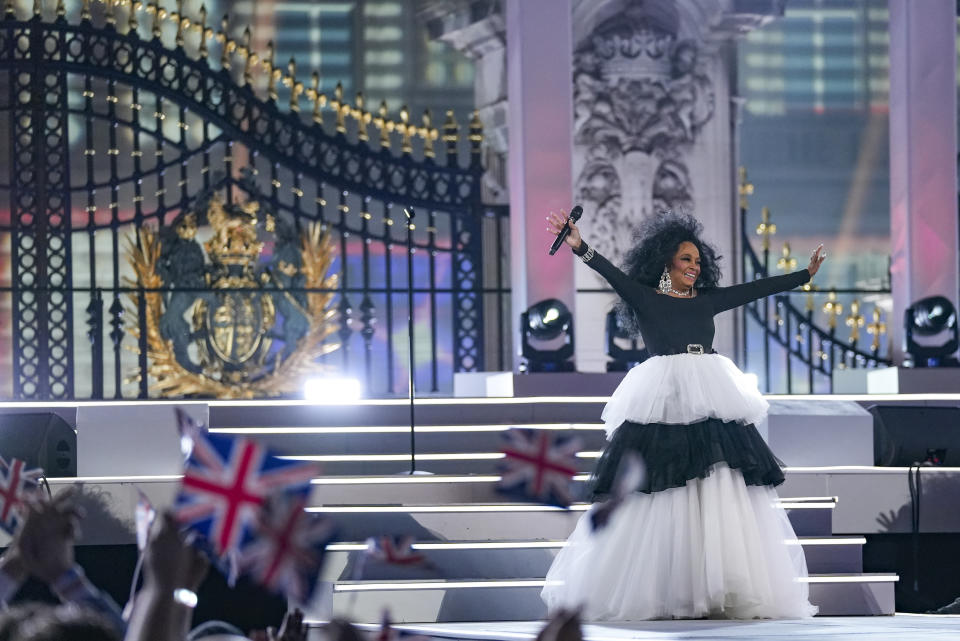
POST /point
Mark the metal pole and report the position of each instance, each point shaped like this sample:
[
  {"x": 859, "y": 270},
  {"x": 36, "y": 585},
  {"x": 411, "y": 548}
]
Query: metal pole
[{"x": 410, "y": 213}]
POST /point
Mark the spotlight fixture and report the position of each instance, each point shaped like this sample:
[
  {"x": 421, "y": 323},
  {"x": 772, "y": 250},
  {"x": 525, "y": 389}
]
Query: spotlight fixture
[
  {"x": 546, "y": 322},
  {"x": 925, "y": 319},
  {"x": 623, "y": 358}
]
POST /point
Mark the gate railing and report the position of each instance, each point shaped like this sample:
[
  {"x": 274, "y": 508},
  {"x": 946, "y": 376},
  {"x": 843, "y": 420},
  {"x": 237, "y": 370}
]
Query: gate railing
[
  {"x": 126, "y": 115},
  {"x": 796, "y": 355}
]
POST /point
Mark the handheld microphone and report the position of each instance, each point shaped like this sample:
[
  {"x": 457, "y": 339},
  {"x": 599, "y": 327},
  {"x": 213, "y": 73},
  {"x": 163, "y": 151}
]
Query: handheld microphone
[{"x": 575, "y": 214}]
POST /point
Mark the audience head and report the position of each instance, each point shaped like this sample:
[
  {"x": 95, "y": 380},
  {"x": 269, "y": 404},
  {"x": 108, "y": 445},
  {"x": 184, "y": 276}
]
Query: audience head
[{"x": 66, "y": 623}]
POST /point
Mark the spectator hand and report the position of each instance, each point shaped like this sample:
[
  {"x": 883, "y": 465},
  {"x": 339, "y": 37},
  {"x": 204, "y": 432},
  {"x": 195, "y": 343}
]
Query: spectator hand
[
  {"x": 50, "y": 529},
  {"x": 170, "y": 562}
]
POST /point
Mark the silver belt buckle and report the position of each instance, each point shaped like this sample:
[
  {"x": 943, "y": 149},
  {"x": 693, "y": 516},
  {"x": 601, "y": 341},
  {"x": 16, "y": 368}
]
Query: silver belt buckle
[{"x": 694, "y": 348}]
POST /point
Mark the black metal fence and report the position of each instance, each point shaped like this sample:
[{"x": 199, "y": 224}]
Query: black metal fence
[
  {"x": 122, "y": 119},
  {"x": 782, "y": 343}
]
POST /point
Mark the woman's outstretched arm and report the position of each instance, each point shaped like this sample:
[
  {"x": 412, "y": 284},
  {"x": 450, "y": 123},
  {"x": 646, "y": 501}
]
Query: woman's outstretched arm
[
  {"x": 629, "y": 289},
  {"x": 725, "y": 298}
]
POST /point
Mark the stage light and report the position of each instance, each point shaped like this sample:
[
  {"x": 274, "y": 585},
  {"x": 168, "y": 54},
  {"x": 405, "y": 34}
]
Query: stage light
[
  {"x": 623, "y": 358},
  {"x": 332, "y": 390},
  {"x": 928, "y": 318},
  {"x": 544, "y": 322}
]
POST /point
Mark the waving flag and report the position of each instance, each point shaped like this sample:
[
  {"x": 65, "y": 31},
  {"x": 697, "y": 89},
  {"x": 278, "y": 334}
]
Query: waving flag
[
  {"x": 16, "y": 484},
  {"x": 287, "y": 551},
  {"x": 539, "y": 466},
  {"x": 225, "y": 483}
]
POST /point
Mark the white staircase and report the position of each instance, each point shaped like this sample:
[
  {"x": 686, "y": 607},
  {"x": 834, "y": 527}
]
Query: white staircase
[{"x": 487, "y": 557}]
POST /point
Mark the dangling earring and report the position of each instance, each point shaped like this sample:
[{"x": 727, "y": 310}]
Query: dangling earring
[{"x": 665, "y": 284}]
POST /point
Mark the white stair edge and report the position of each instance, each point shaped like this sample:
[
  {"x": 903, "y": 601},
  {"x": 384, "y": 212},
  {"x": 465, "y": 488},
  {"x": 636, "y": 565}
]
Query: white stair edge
[{"x": 439, "y": 584}]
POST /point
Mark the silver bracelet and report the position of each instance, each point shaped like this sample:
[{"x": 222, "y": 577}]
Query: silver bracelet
[{"x": 587, "y": 255}]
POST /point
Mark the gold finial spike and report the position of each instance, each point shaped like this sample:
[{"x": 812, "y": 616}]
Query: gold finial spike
[
  {"x": 766, "y": 229},
  {"x": 745, "y": 187},
  {"x": 110, "y": 12},
  {"x": 476, "y": 133},
  {"x": 296, "y": 88},
  {"x": 363, "y": 118},
  {"x": 832, "y": 309},
  {"x": 61, "y": 8},
  {"x": 248, "y": 65},
  {"x": 384, "y": 124},
  {"x": 272, "y": 71},
  {"x": 340, "y": 108},
  {"x": 877, "y": 328},
  {"x": 786, "y": 263},
  {"x": 228, "y": 44},
  {"x": 451, "y": 135},
  {"x": 407, "y": 130},
  {"x": 809, "y": 288},
  {"x": 132, "y": 22},
  {"x": 450, "y": 129},
  {"x": 84, "y": 11},
  {"x": 319, "y": 100},
  {"x": 38, "y": 7},
  {"x": 10, "y": 9},
  {"x": 180, "y": 21},
  {"x": 429, "y": 134},
  {"x": 855, "y": 321},
  {"x": 204, "y": 52},
  {"x": 158, "y": 14}
]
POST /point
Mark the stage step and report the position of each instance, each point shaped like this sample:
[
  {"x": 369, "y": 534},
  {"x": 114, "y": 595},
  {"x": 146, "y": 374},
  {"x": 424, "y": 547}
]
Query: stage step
[
  {"x": 513, "y": 521},
  {"x": 464, "y": 560},
  {"x": 385, "y": 450},
  {"x": 512, "y": 600}
]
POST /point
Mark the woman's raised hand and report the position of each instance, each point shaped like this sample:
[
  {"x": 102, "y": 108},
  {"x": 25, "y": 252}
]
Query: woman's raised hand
[
  {"x": 816, "y": 260},
  {"x": 555, "y": 226}
]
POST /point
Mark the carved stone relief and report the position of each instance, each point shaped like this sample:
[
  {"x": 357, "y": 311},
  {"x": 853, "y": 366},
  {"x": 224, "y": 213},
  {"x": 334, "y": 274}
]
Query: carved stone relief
[{"x": 641, "y": 97}]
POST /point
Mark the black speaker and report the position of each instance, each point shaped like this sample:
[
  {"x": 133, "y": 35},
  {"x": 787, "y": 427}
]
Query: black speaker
[
  {"x": 41, "y": 440},
  {"x": 908, "y": 434}
]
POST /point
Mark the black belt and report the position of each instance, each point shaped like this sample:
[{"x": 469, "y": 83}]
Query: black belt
[{"x": 692, "y": 348}]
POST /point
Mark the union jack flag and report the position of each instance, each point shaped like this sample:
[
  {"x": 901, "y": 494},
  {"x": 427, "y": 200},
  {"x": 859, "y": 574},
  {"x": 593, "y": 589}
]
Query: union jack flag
[
  {"x": 16, "y": 484},
  {"x": 539, "y": 466},
  {"x": 395, "y": 550},
  {"x": 287, "y": 553},
  {"x": 225, "y": 483}
]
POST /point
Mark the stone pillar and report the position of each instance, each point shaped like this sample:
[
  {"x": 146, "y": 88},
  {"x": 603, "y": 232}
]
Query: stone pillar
[
  {"x": 653, "y": 129},
  {"x": 923, "y": 155},
  {"x": 541, "y": 131}
]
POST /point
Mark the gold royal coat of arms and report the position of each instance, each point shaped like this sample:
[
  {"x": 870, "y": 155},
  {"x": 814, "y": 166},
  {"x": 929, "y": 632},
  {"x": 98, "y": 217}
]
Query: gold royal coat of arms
[{"x": 222, "y": 323}]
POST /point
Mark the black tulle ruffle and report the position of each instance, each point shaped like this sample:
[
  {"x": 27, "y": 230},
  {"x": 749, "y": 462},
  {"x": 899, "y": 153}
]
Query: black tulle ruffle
[{"x": 675, "y": 454}]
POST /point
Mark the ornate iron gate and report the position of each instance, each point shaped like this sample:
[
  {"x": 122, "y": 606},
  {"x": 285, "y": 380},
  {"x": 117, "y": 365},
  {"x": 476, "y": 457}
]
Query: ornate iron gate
[{"x": 123, "y": 119}]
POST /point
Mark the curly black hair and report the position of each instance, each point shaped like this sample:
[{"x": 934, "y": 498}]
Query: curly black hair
[{"x": 657, "y": 240}]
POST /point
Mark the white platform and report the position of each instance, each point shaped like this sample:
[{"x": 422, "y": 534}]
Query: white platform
[
  {"x": 896, "y": 628},
  {"x": 807, "y": 432},
  {"x": 918, "y": 380}
]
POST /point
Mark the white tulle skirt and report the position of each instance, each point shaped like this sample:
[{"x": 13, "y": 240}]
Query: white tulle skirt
[
  {"x": 682, "y": 389},
  {"x": 706, "y": 544},
  {"x": 716, "y": 548}
]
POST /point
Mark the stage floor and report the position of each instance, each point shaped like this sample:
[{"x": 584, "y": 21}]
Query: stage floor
[{"x": 902, "y": 627}]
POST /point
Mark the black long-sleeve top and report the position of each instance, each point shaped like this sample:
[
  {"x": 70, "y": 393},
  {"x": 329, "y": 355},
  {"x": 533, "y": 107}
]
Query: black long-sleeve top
[{"x": 669, "y": 324}]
